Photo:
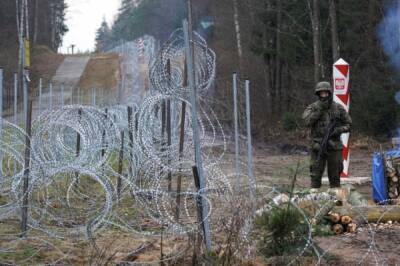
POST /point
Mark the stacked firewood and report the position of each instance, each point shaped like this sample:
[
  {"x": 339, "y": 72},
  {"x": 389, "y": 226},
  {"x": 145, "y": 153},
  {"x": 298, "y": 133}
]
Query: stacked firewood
[
  {"x": 392, "y": 172},
  {"x": 341, "y": 223}
]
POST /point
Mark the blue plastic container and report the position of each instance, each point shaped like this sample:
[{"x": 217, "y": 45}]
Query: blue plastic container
[{"x": 379, "y": 183}]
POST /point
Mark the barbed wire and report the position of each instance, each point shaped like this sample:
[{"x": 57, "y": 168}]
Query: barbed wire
[{"x": 78, "y": 192}]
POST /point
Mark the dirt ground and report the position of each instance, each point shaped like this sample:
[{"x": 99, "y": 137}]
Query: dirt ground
[
  {"x": 274, "y": 163},
  {"x": 371, "y": 245}
]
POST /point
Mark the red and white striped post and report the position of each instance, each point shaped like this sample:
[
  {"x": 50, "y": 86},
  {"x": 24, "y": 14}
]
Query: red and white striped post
[{"x": 341, "y": 95}]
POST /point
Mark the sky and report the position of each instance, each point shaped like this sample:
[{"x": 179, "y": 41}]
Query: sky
[{"x": 83, "y": 18}]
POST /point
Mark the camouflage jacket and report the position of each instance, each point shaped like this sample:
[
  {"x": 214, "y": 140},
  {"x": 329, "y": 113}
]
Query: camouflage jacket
[{"x": 318, "y": 119}]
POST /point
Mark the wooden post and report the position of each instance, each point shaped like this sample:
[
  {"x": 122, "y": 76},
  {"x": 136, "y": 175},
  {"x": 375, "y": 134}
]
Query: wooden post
[
  {"x": 163, "y": 121},
  {"x": 136, "y": 123},
  {"x": 78, "y": 136},
  {"x": 120, "y": 164},
  {"x": 78, "y": 146},
  {"x": 199, "y": 204},
  {"x": 103, "y": 144},
  {"x": 130, "y": 139},
  {"x": 25, "y": 187}
]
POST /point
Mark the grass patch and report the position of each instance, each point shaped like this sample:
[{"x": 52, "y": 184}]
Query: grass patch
[{"x": 101, "y": 71}]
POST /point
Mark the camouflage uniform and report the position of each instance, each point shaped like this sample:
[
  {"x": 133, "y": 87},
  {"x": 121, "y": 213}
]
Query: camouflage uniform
[{"x": 318, "y": 116}]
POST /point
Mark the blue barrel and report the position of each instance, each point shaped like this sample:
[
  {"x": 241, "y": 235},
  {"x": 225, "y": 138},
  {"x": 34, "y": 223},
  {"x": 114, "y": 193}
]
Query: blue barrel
[{"x": 379, "y": 185}]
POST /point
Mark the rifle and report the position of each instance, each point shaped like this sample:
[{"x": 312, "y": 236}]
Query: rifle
[{"x": 325, "y": 140}]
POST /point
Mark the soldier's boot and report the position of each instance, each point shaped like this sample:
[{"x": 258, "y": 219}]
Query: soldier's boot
[
  {"x": 335, "y": 168},
  {"x": 334, "y": 182},
  {"x": 315, "y": 181}
]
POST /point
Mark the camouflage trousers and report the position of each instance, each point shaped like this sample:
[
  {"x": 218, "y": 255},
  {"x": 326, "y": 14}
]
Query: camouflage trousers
[{"x": 334, "y": 160}]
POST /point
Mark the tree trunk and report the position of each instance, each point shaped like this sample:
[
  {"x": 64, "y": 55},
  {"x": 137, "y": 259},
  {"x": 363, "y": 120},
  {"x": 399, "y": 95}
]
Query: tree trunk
[
  {"x": 334, "y": 31},
  {"x": 268, "y": 41},
  {"x": 251, "y": 11},
  {"x": 278, "y": 89},
  {"x": 36, "y": 21},
  {"x": 270, "y": 100},
  {"x": 237, "y": 31},
  {"x": 370, "y": 214},
  {"x": 286, "y": 88},
  {"x": 314, "y": 12},
  {"x": 53, "y": 26},
  {"x": 371, "y": 28}
]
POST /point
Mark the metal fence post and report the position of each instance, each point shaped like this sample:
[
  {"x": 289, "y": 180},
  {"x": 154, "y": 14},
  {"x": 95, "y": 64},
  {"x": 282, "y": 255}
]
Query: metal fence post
[
  {"x": 1, "y": 98},
  {"x": 40, "y": 95},
  {"x": 51, "y": 96},
  {"x": 196, "y": 137},
  {"x": 15, "y": 112},
  {"x": 62, "y": 95},
  {"x": 25, "y": 183},
  {"x": 252, "y": 181},
  {"x": 15, "y": 99},
  {"x": 93, "y": 96},
  {"x": 72, "y": 95},
  {"x": 1, "y": 118},
  {"x": 236, "y": 123},
  {"x": 26, "y": 93}
]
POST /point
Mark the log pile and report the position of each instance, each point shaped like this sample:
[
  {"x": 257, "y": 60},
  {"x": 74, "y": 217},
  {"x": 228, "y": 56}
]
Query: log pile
[
  {"x": 341, "y": 223},
  {"x": 392, "y": 173}
]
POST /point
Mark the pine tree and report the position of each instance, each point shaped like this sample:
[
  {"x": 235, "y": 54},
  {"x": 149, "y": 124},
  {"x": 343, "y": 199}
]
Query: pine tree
[{"x": 103, "y": 37}]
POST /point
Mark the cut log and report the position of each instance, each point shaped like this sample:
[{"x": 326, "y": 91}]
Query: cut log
[
  {"x": 351, "y": 228},
  {"x": 395, "y": 179},
  {"x": 334, "y": 217},
  {"x": 371, "y": 214},
  {"x": 345, "y": 219},
  {"x": 337, "y": 229},
  {"x": 391, "y": 173},
  {"x": 323, "y": 212},
  {"x": 389, "y": 165}
]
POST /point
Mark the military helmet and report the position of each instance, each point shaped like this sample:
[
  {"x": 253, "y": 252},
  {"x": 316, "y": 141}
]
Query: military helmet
[{"x": 323, "y": 86}]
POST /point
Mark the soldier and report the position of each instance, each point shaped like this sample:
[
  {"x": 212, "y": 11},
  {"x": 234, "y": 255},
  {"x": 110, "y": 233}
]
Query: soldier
[{"x": 319, "y": 116}]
